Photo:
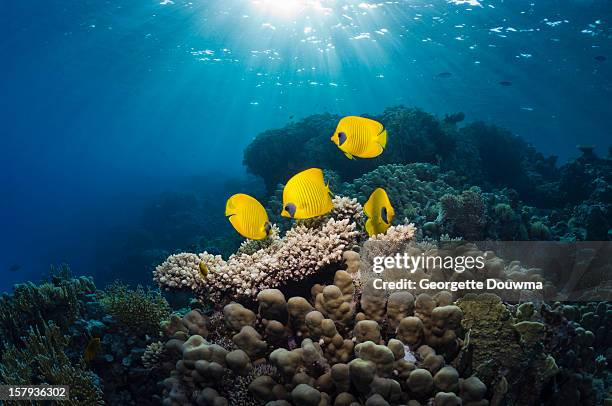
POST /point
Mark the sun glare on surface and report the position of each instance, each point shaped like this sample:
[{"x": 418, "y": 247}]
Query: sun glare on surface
[{"x": 290, "y": 8}]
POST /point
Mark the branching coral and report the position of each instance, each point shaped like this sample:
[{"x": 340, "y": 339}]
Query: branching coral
[
  {"x": 395, "y": 236},
  {"x": 249, "y": 247},
  {"x": 59, "y": 300},
  {"x": 152, "y": 355},
  {"x": 183, "y": 271},
  {"x": 41, "y": 360},
  {"x": 303, "y": 251},
  {"x": 141, "y": 310},
  {"x": 413, "y": 189},
  {"x": 464, "y": 214}
]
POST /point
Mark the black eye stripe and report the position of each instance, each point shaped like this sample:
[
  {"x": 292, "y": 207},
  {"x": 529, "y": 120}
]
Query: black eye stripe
[
  {"x": 383, "y": 213},
  {"x": 290, "y": 207}
]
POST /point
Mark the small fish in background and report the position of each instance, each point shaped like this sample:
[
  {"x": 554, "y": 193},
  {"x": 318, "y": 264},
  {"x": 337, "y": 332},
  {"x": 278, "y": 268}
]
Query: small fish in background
[
  {"x": 14, "y": 268},
  {"x": 505, "y": 83},
  {"x": 600, "y": 58},
  {"x": 92, "y": 348},
  {"x": 379, "y": 211},
  {"x": 361, "y": 137},
  {"x": 203, "y": 269},
  {"x": 248, "y": 216},
  {"x": 291, "y": 117},
  {"x": 444, "y": 75},
  {"x": 306, "y": 195}
]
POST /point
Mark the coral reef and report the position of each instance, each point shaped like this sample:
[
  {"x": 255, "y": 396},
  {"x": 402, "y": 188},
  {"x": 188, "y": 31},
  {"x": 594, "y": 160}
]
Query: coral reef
[
  {"x": 59, "y": 300},
  {"x": 295, "y": 319},
  {"x": 343, "y": 347},
  {"x": 425, "y": 160},
  {"x": 415, "y": 136},
  {"x": 42, "y": 360},
  {"x": 306, "y": 249},
  {"x": 51, "y": 325},
  {"x": 140, "y": 309},
  {"x": 329, "y": 352}
]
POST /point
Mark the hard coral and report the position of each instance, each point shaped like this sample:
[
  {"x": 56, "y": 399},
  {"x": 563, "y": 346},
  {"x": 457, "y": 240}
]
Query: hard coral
[
  {"x": 345, "y": 358},
  {"x": 182, "y": 271},
  {"x": 303, "y": 251},
  {"x": 141, "y": 310},
  {"x": 42, "y": 360},
  {"x": 61, "y": 300}
]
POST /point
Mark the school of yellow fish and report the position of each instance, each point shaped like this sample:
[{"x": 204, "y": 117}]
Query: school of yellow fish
[{"x": 306, "y": 195}]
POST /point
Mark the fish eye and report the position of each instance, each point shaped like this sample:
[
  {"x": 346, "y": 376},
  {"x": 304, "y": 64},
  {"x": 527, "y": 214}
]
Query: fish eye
[{"x": 341, "y": 137}]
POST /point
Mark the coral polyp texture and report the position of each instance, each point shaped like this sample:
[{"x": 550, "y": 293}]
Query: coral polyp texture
[
  {"x": 307, "y": 316},
  {"x": 305, "y": 249},
  {"x": 341, "y": 347}
]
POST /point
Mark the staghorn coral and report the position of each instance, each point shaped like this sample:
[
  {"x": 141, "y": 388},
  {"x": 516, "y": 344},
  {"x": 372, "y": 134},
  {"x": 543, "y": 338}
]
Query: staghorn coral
[{"x": 141, "y": 309}]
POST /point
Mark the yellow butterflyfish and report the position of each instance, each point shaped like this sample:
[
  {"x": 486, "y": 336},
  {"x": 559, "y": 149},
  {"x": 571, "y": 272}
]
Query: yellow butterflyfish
[
  {"x": 306, "y": 195},
  {"x": 361, "y": 137},
  {"x": 248, "y": 216},
  {"x": 379, "y": 211}
]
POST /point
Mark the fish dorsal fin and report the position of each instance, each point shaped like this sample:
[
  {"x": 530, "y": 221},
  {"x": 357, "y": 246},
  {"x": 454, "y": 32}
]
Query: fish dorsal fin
[
  {"x": 233, "y": 203},
  {"x": 314, "y": 175},
  {"x": 230, "y": 208},
  {"x": 368, "y": 207}
]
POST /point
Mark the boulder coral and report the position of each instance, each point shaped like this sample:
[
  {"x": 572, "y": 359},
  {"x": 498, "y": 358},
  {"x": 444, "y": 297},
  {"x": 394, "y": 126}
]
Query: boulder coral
[
  {"x": 332, "y": 353},
  {"x": 343, "y": 345}
]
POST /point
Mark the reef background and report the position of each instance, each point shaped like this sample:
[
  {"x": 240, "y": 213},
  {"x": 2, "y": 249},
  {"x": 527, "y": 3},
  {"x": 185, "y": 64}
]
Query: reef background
[
  {"x": 107, "y": 105},
  {"x": 125, "y": 126}
]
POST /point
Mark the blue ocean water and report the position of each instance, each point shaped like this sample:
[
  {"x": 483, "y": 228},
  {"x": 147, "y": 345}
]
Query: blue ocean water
[{"x": 106, "y": 104}]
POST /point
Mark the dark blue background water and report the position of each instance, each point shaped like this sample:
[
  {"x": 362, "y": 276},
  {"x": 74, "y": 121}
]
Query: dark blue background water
[{"x": 105, "y": 104}]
